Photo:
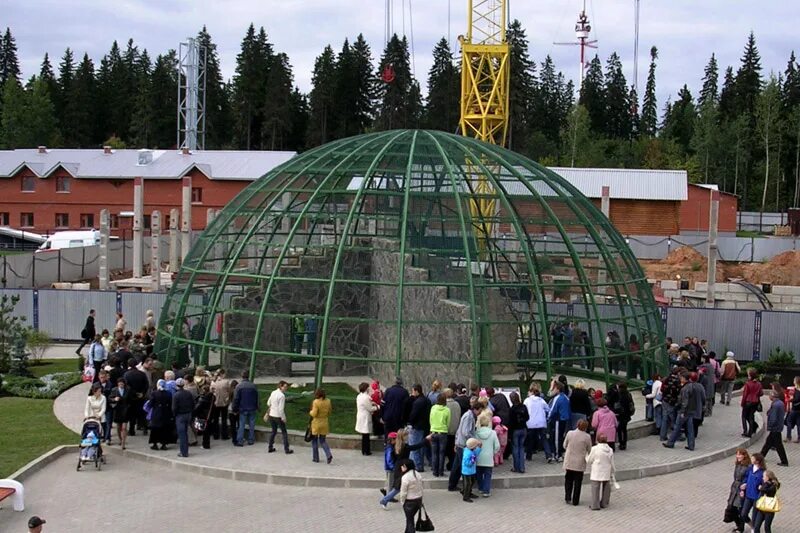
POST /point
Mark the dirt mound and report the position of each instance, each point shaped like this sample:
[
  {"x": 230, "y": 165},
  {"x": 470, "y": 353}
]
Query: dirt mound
[
  {"x": 685, "y": 255},
  {"x": 783, "y": 269},
  {"x": 786, "y": 259}
]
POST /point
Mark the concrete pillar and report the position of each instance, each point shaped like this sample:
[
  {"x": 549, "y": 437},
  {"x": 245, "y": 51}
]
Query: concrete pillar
[
  {"x": 103, "y": 277},
  {"x": 155, "y": 250},
  {"x": 138, "y": 225},
  {"x": 713, "y": 223},
  {"x": 605, "y": 207},
  {"x": 186, "y": 217},
  {"x": 174, "y": 243}
]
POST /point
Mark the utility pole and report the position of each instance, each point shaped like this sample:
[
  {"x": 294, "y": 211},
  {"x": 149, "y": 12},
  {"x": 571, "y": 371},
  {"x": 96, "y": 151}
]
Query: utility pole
[{"x": 713, "y": 222}]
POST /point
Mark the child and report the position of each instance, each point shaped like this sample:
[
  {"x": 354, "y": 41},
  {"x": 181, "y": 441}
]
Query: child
[
  {"x": 502, "y": 436},
  {"x": 389, "y": 460},
  {"x": 468, "y": 468}
]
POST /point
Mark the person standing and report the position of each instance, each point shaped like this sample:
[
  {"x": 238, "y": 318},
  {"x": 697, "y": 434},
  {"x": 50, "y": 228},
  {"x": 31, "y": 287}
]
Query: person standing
[
  {"x": 364, "y": 410},
  {"x": 452, "y": 427},
  {"x": 202, "y": 412},
  {"x": 161, "y": 421},
  {"x": 439, "y": 419},
  {"x": 276, "y": 412},
  {"x": 578, "y": 445},
  {"x": 670, "y": 394},
  {"x": 604, "y": 422},
  {"x": 419, "y": 421},
  {"x": 221, "y": 387},
  {"x": 729, "y": 369},
  {"x": 775, "y": 417},
  {"x": 685, "y": 409},
  {"x": 624, "y": 414},
  {"x": 518, "y": 430},
  {"x": 97, "y": 356},
  {"x": 465, "y": 431},
  {"x": 558, "y": 421},
  {"x": 182, "y": 407},
  {"x": 469, "y": 467},
  {"x": 410, "y": 494},
  {"x": 536, "y": 434},
  {"x": 794, "y": 412},
  {"x": 654, "y": 396},
  {"x": 734, "y": 510},
  {"x": 149, "y": 320},
  {"x": 751, "y": 399},
  {"x": 601, "y": 461},
  {"x": 394, "y": 400},
  {"x": 139, "y": 386},
  {"x": 119, "y": 400},
  {"x": 769, "y": 488},
  {"x": 245, "y": 402},
  {"x": 749, "y": 489},
  {"x": 121, "y": 324},
  {"x": 88, "y": 333},
  {"x": 95, "y": 404},
  {"x": 490, "y": 445},
  {"x": 320, "y": 412}
]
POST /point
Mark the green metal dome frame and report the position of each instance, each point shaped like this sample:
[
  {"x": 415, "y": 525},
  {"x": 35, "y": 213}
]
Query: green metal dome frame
[{"x": 413, "y": 253}]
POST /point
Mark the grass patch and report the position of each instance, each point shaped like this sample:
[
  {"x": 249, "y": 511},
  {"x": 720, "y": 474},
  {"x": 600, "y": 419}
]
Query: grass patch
[
  {"x": 750, "y": 234},
  {"x": 30, "y": 429},
  {"x": 53, "y": 366},
  {"x": 341, "y": 395}
]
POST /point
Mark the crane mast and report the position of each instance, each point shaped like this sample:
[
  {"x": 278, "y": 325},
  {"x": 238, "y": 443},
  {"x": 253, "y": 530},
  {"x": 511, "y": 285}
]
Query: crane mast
[{"x": 484, "y": 101}]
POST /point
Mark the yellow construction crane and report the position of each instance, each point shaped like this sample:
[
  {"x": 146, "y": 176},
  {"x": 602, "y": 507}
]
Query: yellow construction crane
[{"x": 484, "y": 97}]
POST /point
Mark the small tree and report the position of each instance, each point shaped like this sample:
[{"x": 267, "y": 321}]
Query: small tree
[
  {"x": 19, "y": 363},
  {"x": 38, "y": 343},
  {"x": 12, "y": 328}
]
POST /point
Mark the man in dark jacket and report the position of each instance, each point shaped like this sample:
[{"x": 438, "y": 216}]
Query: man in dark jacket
[
  {"x": 775, "y": 417},
  {"x": 690, "y": 405},
  {"x": 138, "y": 384},
  {"x": 419, "y": 420},
  {"x": 245, "y": 402},
  {"x": 394, "y": 400},
  {"x": 182, "y": 407},
  {"x": 88, "y": 333},
  {"x": 670, "y": 392}
]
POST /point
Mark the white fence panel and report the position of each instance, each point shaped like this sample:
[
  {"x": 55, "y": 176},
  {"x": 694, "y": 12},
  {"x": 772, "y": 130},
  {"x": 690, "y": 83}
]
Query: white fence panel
[{"x": 62, "y": 313}]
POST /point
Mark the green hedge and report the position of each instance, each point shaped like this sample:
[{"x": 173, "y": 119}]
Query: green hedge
[{"x": 46, "y": 387}]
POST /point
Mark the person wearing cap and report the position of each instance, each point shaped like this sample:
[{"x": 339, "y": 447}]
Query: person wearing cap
[
  {"x": 35, "y": 524},
  {"x": 729, "y": 369},
  {"x": 394, "y": 399},
  {"x": 182, "y": 407}
]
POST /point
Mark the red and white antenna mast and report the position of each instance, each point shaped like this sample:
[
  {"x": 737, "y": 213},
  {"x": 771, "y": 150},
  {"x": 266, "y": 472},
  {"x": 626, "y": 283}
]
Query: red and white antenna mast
[{"x": 582, "y": 30}]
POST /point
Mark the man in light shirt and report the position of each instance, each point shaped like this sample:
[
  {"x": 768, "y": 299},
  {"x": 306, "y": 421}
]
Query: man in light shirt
[{"x": 276, "y": 405}]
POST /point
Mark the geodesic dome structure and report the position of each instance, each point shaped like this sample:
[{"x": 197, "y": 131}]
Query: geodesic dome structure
[{"x": 412, "y": 253}]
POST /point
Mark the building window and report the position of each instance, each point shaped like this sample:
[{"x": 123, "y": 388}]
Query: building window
[
  {"x": 87, "y": 220},
  {"x": 62, "y": 184},
  {"x": 113, "y": 221},
  {"x": 26, "y": 220},
  {"x": 5, "y": 219},
  {"x": 146, "y": 221},
  {"x": 197, "y": 195},
  {"x": 28, "y": 184},
  {"x": 62, "y": 220}
]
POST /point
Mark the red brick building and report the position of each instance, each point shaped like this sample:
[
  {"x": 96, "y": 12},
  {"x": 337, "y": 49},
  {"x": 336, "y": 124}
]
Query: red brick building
[
  {"x": 696, "y": 209},
  {"x": 44, "y": 191}
]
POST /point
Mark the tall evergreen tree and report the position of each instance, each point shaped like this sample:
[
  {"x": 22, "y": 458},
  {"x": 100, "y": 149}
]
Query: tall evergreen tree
[
  {"x": 114, "y": 94},
  {"x": 47, "y": 75},
  {"x": 791, "y": 84},
  {"x": 41, "y": 116},
  {"x": 218, "y": 105},
  {"x": 14, "y": 125},
  {"x": 649, "y": 118},
  {"x": 748, "y": 79},
  {"x": 249, "y": 85},
  {"x": 444, "y": 90},
  {"x": 322, "y": 122},
  {"x": 679, "y": 120},
  {"x": 709, "y": 93},
  {"x": 298, "y": 108},
  {"x": 62, "y": 97},
  {"x": 522, "y": 87},
  {"x": 727, "y": 96},
  {"x": 344, "y": 92},
  {"x": 618, "y": 105},
  {"x": 593, "y": 96},
  {"x": 9, "y": 62},
  {"x": 277, "y": 104},
  {"x": 400, "y": 100},
  {"x": 364, "y": 111},
  {"x": 80, "y": 109},
  {"x": 768, "y": 124}
]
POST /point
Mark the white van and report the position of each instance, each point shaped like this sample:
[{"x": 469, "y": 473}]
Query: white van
[{"x": 70, "y": 239}]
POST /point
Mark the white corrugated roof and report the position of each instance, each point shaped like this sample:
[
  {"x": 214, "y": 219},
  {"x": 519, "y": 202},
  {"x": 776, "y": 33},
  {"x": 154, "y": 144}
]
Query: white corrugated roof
[
  {"x": 171, "y": 164},
  {"x": 630, "y": 184}
]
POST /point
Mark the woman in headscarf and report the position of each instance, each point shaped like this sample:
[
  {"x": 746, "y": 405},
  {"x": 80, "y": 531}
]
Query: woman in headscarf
[{"x": 161, "y": 423}]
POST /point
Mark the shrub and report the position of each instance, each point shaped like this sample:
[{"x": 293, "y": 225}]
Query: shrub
[
  {"x": 45, "y": 387},
  {"x": 38, "y": 343},
  {"x": 778, "y": 357}
]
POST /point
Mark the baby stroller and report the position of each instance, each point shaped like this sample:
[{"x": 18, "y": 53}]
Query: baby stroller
[{"x": 90, "y": 449}]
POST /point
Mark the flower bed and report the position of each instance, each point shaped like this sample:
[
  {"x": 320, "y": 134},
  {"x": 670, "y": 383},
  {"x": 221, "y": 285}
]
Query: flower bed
[{"x": 48, "y": 386}]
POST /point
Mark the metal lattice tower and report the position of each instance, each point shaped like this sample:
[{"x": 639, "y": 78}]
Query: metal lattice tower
[
  {"x": 191, "y": 95},
  {"x": 362, "y": 256}
]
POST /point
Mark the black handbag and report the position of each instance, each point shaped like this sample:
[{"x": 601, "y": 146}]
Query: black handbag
[
  {"x": 308, "y": 437},
  {"x": 424, "y": 522},
  {"x": 731, "y": 513}
]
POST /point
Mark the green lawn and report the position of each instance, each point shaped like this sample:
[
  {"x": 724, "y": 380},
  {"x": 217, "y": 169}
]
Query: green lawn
[
  {"x": 29, "y": 429},
  {"x": 341, "y": 395},
  {"x": 52, "y": 366}
]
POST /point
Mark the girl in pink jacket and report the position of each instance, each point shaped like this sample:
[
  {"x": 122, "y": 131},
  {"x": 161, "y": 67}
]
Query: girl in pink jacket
[
  {"x": 502, "y": 436},
  {"x": 604, "y": 422}
]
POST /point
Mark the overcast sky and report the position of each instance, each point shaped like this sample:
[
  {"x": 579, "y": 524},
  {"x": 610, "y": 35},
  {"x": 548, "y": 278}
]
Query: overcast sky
[{"x": 686, "y": 32}]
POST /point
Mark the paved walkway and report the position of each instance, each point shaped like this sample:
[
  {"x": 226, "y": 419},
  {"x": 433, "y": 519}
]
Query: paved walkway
[
  {"x": 644, "y": 457},
  {"x": 691, "y": 501}
]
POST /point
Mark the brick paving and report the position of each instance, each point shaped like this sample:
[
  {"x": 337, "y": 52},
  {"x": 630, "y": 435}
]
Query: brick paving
[{"x": 135, "y": 496}]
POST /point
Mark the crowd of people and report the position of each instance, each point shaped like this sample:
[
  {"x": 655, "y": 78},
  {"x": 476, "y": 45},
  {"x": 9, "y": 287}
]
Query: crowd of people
[{"x": 457, "y": 432}]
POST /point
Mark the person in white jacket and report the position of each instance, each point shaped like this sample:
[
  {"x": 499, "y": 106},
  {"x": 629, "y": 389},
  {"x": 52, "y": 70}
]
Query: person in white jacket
[
  {"x": 655, "y": 396},
  {"x": 410, "y": 493},
  {"x": 601, "y": 461},
  {"x": 364, "y": 410},
  {"x": 96, "y": 404},
  {"x": 276, "y": 415}
]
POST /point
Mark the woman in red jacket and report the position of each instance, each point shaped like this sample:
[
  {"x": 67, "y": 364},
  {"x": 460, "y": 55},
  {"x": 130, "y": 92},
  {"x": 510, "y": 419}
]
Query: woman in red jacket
[{"x": 751, "y": 400}]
